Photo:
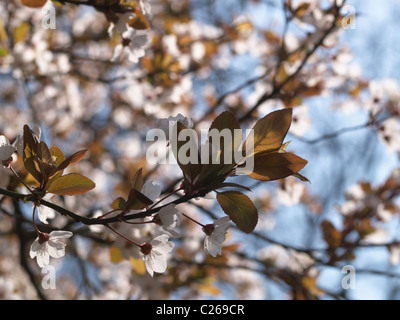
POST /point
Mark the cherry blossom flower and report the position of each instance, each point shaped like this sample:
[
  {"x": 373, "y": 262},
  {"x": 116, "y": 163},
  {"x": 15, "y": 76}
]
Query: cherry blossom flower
[
  {"x": 122, "y": 24},
  {"x": 145, "y": 7},
  {"x": 285, "y": 258},
  {"x": 151, "y": 190},
  {"x": 45, "y": 212},
  {"x": 290, "y": 192},
  {"x": 133, "y": 43},
  {"x": 49, "y": 245},
  {"x": 169, "y": 218},
  {"x": 394, "y": 251},
  {"x": 389, "y": 134},
  {"x": 155, "y": 254},
  {"x": 215, "y": 235},
  {"x": 6, "y": 151},
  {"x": 301, "y": 121}
]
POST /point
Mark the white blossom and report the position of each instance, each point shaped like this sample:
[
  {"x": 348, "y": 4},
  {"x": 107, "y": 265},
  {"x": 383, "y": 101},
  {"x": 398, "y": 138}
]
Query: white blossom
[
  {"x": 133, "y": 43},
  {"x": 6, "y": 150},
  {"x": 301, "y": 121},
  {"x": 49, "y": 245},
  {"x": 154, "y": 254},
  {"x": 290, "y": 192},
  {"x": 145, "y": 7},
  {"x": 170, "y": 218},
  {"x": 394, "y": 251},
  {"x": 389, "y": 134},
  {"x": 45, "y": 212},
  {"x": 216, "y": 233},
  {"x": 151, "y": 190},
  {"x": 122, "y": 24}
]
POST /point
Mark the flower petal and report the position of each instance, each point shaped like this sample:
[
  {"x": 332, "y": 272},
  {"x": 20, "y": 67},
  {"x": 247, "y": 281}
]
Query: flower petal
[
  {"x": 34, "y": 248},
  {"x": 151, "y": 190},
  {"x": 212, "y": 246},
  {"x": 42, "y": 257},
  {"x": 55, "y": 249},
  {"x": 55, "y": 235},
  {"x": 45, "y": 213},
  {"x": 159, "y": 263}
]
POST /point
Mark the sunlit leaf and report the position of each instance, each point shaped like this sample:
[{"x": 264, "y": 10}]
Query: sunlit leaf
[
  {"x": 268, "y": 133},
  {"x": 273, "y": 166},
  {"x": 57, "y": 155},
  {"x": 239, "y": 208},
  {"x": 44, "y": 153},
  {"x": 119, "y": 204},
  {"x": 71, "y": 184},
  {"x": 77, "y": 156}
]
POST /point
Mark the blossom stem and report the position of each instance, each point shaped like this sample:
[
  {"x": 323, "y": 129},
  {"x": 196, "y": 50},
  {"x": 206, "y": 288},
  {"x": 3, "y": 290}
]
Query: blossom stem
[
  {"x": 121, "y": 235},
  {"x": 143, "y": 222},
  {"x": 33, "y": 220},
  {"x": 19, "y": 178},
  {"x": 195, "y": 221},
  {"x": 165, "y": 197}
]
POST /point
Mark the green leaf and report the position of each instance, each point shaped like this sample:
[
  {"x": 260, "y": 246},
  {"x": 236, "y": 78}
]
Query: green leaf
[
  {"x": 268, "y": 132},
  {"x": 273, "y": 166},
  {"x": 58, "y": 155},
  {"x": 57, "y": 158},
  {"x": 71, "y": 184},
  {"x": 118, "y": 204},
  {"x": 239, "y": 208}
]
